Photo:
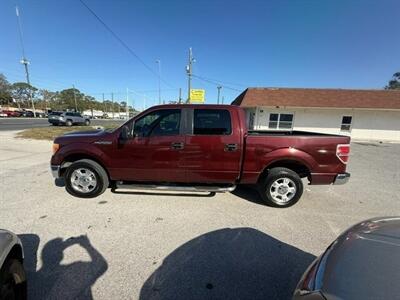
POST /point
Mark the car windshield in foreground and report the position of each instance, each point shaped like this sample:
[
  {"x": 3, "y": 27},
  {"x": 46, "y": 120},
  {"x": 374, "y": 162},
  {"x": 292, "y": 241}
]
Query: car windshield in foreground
[{"x": 56, "y": 113}]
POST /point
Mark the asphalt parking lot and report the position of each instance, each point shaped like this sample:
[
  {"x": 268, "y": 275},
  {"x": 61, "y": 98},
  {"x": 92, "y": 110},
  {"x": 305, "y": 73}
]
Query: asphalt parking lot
[
  {"x": 133, "y": 245},
  {"x": 9, "y": 124}
]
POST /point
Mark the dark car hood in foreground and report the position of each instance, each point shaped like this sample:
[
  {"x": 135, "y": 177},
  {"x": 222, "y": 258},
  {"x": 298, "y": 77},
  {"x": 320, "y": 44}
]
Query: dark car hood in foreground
[{"x": 364, "y": 262}]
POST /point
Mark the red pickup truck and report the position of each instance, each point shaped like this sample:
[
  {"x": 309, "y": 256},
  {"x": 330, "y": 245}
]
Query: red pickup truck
[{"x": 198, "y": 148}]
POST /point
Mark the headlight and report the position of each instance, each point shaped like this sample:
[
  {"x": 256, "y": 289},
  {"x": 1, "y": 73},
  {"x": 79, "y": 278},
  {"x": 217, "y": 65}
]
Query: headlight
[{"x": 55, "y": 147}]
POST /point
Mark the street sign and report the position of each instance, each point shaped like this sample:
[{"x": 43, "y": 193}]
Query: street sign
[{"x": 197, "y": 96}]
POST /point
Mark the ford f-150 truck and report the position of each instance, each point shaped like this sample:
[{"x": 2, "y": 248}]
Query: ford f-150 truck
[{"x": 198, "y": 148}]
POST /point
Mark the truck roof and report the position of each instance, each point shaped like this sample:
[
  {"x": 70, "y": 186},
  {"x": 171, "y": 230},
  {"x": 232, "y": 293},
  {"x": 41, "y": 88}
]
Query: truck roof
[{"x": 228, "y": 106}]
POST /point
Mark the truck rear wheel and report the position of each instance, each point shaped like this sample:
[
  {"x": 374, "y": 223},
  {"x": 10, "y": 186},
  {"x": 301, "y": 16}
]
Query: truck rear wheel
[
  {"x": 85, "y": 178},
  {"x": 281, "y": 187}
]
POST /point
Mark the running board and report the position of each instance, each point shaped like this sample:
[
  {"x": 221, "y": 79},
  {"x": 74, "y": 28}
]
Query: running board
[{"x": 177, "y": 188}]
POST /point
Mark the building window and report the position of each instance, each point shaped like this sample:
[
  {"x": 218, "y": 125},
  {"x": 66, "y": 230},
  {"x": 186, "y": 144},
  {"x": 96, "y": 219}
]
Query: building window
[
  {"x": 346, "y": 123},
  {"x": 280, "y": 121}
]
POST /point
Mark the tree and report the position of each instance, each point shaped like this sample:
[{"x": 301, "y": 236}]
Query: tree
[
  {"x": 47, "y": 99},
  {"x": 67, "y": 99},
  {"x": 394, "y": 83},
  {"x": 21, "y": 92},
  {"x": 5, "y": 91}
]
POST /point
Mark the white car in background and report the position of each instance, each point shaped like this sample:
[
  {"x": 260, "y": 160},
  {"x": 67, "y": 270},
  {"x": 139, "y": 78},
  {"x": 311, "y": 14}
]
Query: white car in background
[{"x": 12, "y": 273}]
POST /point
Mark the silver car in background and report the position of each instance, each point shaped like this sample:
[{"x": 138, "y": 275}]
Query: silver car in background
[
  {"x": 12, "y": 273},
  {"x": 362, "y": 263},
  {"x": 68, "y": 119}
]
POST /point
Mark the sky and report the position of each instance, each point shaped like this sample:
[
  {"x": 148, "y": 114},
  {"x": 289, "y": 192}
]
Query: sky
[{"x": 239, "y": 44}]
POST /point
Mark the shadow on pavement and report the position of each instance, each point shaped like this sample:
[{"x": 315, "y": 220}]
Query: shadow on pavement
[
  {"x": 239, "y": 263},
  {"x": 249, "y": 193},
  {"x": 60, "y": 281},
  {"x": 59, "y": 182}
]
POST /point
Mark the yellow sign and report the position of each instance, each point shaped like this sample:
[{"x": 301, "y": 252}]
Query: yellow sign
[{"x": 197, "y": 96}]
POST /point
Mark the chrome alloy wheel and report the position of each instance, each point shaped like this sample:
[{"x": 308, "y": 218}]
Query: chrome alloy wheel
[
  {"x": 83, "y": 180},
  {"x": 283, "y": 190}
]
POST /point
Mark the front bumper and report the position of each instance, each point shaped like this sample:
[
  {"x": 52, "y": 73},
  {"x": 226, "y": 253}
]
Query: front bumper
[
  {"x": 341, "y": 178},
  {"x": 55, "y": 171}
]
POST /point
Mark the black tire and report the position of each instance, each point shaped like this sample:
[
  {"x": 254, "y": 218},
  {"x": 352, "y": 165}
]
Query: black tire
[
  {"x": 68, "y": 123},
  {"x": 87, "y": 122},
  {"x": 102, "y": 181},
  {"x": 13, "y": 280},
  {"x": 278, "y": 175}
]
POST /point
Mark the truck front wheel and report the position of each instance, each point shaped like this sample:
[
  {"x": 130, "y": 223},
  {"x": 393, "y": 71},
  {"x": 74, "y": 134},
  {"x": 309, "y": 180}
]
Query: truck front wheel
[
  {"x": 281, "y": 187},
  {"x": 85, "y": 178}
]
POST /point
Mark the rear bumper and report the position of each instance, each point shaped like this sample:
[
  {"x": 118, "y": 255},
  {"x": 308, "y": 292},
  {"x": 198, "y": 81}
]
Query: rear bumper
[
  {"x": 341, "y": 178},
  {"x": 55, "y": 171}
]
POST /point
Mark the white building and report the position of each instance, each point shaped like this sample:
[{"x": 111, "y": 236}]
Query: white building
[{"x": 362, "y": 114}]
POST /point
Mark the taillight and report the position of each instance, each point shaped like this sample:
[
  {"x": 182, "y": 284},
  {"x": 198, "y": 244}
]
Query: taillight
[{"x": 343, "y": 152}]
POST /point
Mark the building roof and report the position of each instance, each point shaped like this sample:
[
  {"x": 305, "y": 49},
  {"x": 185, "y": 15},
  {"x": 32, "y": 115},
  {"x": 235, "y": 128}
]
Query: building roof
[{"x": 329, "y": 98}]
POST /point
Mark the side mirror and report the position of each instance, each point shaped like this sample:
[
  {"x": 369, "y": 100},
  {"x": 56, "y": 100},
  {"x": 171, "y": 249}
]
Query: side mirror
[{"x": 124, "y": 135}]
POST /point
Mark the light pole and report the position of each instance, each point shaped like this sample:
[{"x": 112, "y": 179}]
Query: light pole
[
  {"x": 189, "y": 72},
  {"x": 158, "y": 62},
  {"x": 24, "y": 61},
  {"x": 127, "y": 99},
  {"x": 219, "y": 91},
  {"x": 76, "y": 106}
]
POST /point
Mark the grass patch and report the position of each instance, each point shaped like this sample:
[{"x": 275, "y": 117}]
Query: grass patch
[{"x": 51, "y": 132}]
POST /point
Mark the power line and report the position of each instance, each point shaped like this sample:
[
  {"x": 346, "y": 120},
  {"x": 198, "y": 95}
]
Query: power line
[
  {"x": 225, "y": 82},
  {"x": 123, "y": 43},
  {"x": 216, "y": 83}
]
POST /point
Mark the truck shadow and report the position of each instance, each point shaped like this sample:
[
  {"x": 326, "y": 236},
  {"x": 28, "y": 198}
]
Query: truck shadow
[
  {"x": 56, "y": 280},
  {"x": 238, "y": 263},
  {"x": 249, "y": 193},
  {"x": 59, "y": 182}
]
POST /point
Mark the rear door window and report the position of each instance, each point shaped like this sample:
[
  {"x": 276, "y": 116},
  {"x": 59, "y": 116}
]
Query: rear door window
[{"x": 212, "y": 122}]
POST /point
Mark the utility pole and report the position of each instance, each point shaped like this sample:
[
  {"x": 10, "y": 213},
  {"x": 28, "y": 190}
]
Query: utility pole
[
  {"x": 24, "y": 60},
  {"x": 127, "y": 99},
  {"x": 76, "y": 106},
  {"x": 223, "y": 98},
  {"x": 112, "y": 104},
  {"x": 180, "y": 96},
  {"x": 219, "y": 91},
  {"x": 159, "y": 80},
  {"x": 105, "y": 106},
  {"x": 189, "y": 72}
]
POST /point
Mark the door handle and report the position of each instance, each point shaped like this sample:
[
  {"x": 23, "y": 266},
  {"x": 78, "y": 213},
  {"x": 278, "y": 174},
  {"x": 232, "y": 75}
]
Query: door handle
[
  {"x": 230, "y": 147},
  {"x": 177, "y": 146}
]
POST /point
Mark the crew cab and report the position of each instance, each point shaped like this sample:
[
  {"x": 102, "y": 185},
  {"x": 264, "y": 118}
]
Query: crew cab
[{"x": 198, "y": 148}]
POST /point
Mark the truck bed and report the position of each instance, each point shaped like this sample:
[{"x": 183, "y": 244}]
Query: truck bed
[{"x": 312, "y": 152}]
